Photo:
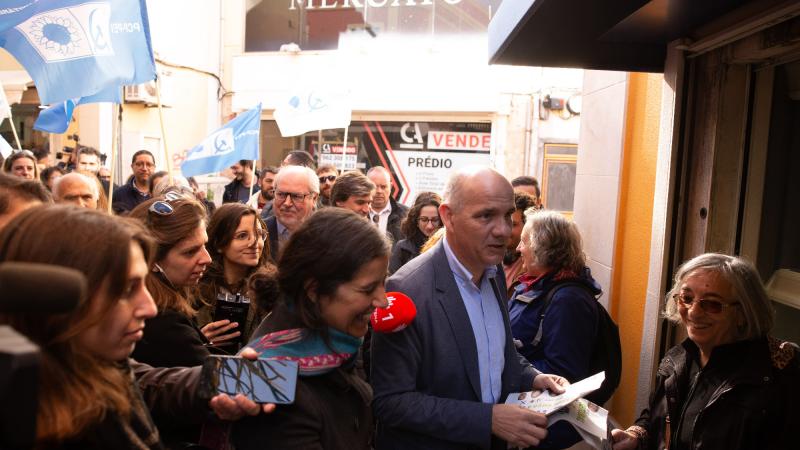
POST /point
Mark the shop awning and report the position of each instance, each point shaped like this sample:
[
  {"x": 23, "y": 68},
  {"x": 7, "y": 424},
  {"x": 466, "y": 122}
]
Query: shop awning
[{"x": 626, "y": 35}]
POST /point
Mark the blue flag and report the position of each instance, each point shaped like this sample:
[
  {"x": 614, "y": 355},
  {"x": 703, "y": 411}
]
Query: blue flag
[
  {"x": 236, "y": 140},
  {"x": 78, "y": 48},
  {"x": 56, "y": 118}
]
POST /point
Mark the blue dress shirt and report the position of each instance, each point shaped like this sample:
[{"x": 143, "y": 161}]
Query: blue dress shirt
[{"x": 486, "y": 319}]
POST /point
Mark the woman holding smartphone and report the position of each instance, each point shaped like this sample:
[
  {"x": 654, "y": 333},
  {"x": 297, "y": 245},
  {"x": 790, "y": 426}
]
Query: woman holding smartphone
[
  {"x": 237, "y": 241},
  {"x": 331, "y": 278}
]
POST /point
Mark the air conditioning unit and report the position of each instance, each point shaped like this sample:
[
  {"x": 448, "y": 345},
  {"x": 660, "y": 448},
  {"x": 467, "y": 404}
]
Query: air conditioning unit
[{"x": 146, "y": 93}]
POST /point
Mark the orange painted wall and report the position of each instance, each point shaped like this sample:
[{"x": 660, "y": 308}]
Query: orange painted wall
[{"x": 632, "y": 252}]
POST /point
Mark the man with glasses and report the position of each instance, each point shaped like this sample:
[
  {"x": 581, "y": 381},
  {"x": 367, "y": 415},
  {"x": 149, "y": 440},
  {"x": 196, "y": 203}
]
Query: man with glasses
[
  {"x": 296, "y": 192},
  {"x": 327, "y": 176},
  {"x": 385, "y": 211},
  {"x": 137, "y": 189}
]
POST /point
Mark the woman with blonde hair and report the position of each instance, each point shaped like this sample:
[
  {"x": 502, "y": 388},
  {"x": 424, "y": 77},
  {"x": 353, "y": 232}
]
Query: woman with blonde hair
[{"x": 22, "y": 163}]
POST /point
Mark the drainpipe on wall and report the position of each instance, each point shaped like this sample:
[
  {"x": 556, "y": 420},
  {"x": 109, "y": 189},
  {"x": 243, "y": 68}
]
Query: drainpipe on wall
[{"x": 526, "y": 161}]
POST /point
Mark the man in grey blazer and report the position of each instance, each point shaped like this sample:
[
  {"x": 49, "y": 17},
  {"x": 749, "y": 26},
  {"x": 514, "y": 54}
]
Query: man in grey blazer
[{"x": 441, "y": 382}]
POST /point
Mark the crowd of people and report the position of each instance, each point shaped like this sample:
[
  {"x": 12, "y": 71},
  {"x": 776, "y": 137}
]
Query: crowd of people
[{"x": 292, "y": 265}]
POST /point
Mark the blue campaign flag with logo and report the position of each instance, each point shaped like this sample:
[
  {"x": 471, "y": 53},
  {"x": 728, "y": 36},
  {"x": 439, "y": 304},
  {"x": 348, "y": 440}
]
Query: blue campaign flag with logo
[
  {"x": 56, "y": 118},
  {"x": 236, "y": 140},
  {"x": 78, "y": 48}
]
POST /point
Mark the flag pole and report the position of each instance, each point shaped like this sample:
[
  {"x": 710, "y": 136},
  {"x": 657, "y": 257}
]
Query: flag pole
[
  {"x": 116, "y": 151},
  {"x": 14, "y": 129},
  {"x": 253, "y": 181},
  {"x": 344, "y": 147},
  {"x": 163, "y": 132}
]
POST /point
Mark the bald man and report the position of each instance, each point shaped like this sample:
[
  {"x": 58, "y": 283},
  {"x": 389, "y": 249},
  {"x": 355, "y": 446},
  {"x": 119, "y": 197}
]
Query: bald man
[
  {"x": 385, "y": 211},
  {"x": 77, "y": 189},
  {"x": 441, "y": 382}
]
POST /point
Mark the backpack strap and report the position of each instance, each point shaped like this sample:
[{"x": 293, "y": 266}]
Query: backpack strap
[{"x": 548, "y": 297}]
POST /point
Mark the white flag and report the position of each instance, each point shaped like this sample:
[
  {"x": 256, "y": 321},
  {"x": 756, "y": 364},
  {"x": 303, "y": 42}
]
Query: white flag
[
  {"x": 5, "y": 108},
  {"x": 5, "y": 148},
  {"x": 312, "y": 110}
]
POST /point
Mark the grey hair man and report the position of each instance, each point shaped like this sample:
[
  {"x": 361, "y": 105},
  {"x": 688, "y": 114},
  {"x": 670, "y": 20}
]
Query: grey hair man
[
  {"x": 385, "y": 211},
  {"x": 443, "y": 387},
  {"x": 78, "y": 189},
  {"x": 296, "y": 192}
]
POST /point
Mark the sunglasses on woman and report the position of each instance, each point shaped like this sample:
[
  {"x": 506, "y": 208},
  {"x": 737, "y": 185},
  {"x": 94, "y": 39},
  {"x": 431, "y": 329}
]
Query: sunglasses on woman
[
  {"x": 707, "y": 305},
  {"x": 162, "y": 207}
]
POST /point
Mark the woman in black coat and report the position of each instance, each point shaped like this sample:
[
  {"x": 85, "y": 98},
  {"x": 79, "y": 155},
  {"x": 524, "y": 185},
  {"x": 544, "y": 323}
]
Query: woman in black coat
[
  {"x": 420, "y": 224},
  {"x": 327, "y": 294},
  {"x": 172, "y": 338},
  {"x": 729, "y": 385}
]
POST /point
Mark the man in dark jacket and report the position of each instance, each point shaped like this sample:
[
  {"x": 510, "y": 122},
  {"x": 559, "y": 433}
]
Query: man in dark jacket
[
  {"x": 137, "y": 189},
  {"x": 385, "y": 211},
  {"x": 238, "y": 190},
  {"x": 441, "y": 382}
]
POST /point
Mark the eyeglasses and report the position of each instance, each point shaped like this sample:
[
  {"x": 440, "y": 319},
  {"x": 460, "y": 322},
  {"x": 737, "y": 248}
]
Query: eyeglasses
[
  {"x": 434, "y": 220},
  {"x": 709, "y": 306},
  {"x": 296, "y": 198},
  {"x": 162, "y": 207},
  {"x": 330, "y": 178},
  {"x": 260, "y": 233}
]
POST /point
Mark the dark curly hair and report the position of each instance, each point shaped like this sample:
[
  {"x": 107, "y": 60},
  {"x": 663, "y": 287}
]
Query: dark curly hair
[{"x": 409, "y": 226}]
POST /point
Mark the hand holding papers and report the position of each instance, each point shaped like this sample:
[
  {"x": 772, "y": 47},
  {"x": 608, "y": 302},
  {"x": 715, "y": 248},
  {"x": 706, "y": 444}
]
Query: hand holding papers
[
  {"x": 547, "y": 403},
  {"x": 588, "y": 419}
]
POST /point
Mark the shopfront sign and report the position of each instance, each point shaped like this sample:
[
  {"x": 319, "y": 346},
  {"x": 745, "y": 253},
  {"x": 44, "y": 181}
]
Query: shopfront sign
[
  {"x": 331, "y": 4},
  {"x": 422, "y": 155},
  {"x": 332, "y": 153}
]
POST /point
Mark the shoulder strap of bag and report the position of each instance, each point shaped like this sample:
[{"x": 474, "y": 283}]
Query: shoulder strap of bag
[{"x": 547, "y": 299}]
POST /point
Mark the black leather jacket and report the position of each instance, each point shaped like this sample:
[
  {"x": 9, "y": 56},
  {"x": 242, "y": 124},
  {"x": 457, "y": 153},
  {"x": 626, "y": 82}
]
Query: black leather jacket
[{"x": 753, "y": 402}]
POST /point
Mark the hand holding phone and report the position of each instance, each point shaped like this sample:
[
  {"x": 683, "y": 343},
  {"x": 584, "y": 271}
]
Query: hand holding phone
[{"x": 261, "y": 380}]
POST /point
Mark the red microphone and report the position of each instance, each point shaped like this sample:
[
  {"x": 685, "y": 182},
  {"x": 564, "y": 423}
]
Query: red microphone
[{"x": 400, "y": 312}]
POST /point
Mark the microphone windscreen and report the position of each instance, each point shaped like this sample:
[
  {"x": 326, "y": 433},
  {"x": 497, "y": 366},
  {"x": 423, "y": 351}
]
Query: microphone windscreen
[
  {"x": 395, "y": 317},
  {"x": 39, "y": 288}
]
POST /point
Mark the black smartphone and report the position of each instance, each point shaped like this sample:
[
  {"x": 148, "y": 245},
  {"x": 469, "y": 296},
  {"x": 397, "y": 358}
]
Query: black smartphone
[
  {"x": 261, "y": 380},
  {"x": 233, "y": 308}
]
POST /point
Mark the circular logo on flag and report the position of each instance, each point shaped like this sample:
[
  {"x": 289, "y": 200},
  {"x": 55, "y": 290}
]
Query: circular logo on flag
[{"x": 57, "y": 34}]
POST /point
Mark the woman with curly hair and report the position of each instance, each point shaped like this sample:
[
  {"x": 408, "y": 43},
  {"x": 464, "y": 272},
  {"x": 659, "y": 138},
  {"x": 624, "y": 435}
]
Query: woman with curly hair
[{"x": 420, "y": 224}]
